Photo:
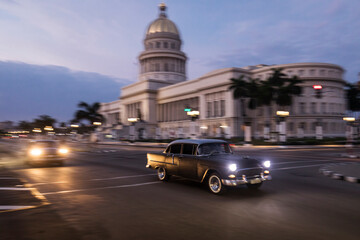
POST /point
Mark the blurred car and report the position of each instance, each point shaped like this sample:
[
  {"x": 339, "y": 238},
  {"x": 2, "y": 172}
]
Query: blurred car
[{"x": 46, "y": 151}]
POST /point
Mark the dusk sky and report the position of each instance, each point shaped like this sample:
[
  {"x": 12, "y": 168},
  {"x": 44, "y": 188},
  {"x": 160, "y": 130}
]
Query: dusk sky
[{"x": 100, "y": 40}]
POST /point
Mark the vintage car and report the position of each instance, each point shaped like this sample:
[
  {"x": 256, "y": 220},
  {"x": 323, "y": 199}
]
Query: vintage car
[
  {"x": 210, "y": 161},
  {"x": 46, "y": 151}
]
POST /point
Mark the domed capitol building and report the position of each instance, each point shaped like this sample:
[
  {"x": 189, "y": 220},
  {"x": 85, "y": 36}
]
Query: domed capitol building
[{"x": 153, "y": 107}]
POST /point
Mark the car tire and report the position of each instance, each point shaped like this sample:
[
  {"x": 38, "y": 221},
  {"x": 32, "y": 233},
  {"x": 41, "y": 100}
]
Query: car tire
[
  {"x": 254, "y": 186},
  {"x": 162, "y": 174},
  {"x": 215, "y": 184}
]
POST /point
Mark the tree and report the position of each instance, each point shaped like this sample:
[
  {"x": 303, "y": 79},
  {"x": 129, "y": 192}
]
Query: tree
[
  {"x": 243, "y": 90},
  {"x": 89, "y": 113},
  {"x": 25, "y": 126},
  {"x": 353, "y": 97},
  {"x": 43, "y": 120},
  {"x": 279, "y": 89}
]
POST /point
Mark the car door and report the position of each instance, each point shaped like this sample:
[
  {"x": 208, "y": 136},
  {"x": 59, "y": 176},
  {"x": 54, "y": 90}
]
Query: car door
[
  {"x": 188, "y": 161},
  {"x": 172, "y": 159}
]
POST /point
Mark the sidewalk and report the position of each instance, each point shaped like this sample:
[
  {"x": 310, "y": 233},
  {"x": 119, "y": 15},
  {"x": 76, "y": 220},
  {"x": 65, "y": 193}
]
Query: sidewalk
[{"x": 349, "y": 172}]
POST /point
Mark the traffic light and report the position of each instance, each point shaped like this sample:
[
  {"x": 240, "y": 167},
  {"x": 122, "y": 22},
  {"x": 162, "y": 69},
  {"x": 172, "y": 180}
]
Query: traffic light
[{"x": 318, "y": 91}]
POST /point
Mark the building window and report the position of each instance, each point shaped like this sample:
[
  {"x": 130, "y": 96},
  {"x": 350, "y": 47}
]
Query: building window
[
  {"x": 172, "y": 45},
  {"x": 216, "y": 108},
  {"x": 166, "y": 67},
  {"x": 302, "y": 108},
  {"x": 150, "y": 45},
  {"x": 166, "y": 44},
  {"x": 312, "y": 72},
  {"x": 158, "y": 44},
  {"x": 157, "y": 67},
  {"x": 323, "y": 107},
  {"x": 222, "y": 107},
  {"x": 291, "y": 126},
  {"x": 313, "y": 107},
  {"x": 209, "y": 110},
  {"x": 322, "y": 72},
  {"x": 301, "y": 72}
]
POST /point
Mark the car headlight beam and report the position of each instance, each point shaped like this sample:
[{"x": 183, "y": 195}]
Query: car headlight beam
[
  {"x": 232, "y": 167},
  {"x": 267, "y": 164},
  {"x": 35, "y": 152},
  {"x": 63, "y": 150}
]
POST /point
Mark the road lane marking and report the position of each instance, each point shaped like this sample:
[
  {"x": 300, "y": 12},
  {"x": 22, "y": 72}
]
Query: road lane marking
[
  {"x": 96, "y": 179},
  {"x": 11, "y": 207},
  {"x": 298, "y": 167},
  {"x": 101, "y": 188},
  {"x": 37, "y": 184},
  {"x": 15, "y": 189},
  {"x": 112, "y": 178},
  {"x": 278, "y": 163}
]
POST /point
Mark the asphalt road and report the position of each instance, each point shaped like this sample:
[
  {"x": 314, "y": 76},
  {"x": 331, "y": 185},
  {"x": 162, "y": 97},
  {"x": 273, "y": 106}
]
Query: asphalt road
[{"x": 111, "y": 195}]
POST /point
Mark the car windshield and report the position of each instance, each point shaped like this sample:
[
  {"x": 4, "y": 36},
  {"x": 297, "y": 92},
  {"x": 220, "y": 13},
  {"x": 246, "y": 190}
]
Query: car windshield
[{"x": 211, "y": 148}]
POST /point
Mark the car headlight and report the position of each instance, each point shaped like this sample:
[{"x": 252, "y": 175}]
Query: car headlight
[
  {"x": 35, "y": 152},
  {"x": 267, "y": 164},
  {"x": 63, "y": 150},
  {"x": 232, "y": 167}
]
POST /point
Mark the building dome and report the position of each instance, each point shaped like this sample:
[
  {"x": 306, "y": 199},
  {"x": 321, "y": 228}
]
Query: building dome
[{"x": 162, "y": 24}]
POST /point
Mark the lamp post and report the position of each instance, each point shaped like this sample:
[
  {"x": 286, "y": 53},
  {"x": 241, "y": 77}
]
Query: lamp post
[
  {"x": 281, "y": 115},
  {"x": 349, "y": 135},
  {"x": 132, "y": 128},
  {"x": 349, "y": 128},
  {"x": 194, "y": 114}
]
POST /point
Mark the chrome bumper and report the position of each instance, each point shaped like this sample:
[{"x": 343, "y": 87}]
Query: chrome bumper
[{"x": 244, "y": 180}]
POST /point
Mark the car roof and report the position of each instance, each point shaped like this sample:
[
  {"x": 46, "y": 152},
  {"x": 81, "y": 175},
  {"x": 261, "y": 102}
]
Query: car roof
[{"x": 197, "y": 141}]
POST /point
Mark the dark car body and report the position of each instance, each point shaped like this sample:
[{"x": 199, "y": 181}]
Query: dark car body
[
  {"x": 46, "y": 151},
  {"x": 198, "y": 159}
]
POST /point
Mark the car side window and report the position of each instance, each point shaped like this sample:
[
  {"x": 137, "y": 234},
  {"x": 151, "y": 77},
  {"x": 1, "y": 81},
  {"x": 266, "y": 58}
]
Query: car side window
[
  {"x": 175, "y": 148},
  {"x": 189, "y": 149}
]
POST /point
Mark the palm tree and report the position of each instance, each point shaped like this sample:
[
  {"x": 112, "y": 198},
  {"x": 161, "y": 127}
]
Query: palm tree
[
  {"x": 353, "y": 97},
  {"x": 25, "y": 126},
  {"x": 44, "y": 120},
  {"x": 88, "y": 112},
  {"x": 278, "y": 89},
  {"x": 243, "y": 90}
]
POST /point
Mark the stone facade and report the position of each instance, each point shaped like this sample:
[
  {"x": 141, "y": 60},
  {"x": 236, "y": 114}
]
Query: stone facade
[{"x": 158, "y": 99}]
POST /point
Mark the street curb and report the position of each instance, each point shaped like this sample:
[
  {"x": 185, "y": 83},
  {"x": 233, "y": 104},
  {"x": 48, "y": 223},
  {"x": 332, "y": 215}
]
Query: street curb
[{"x": 338, "y": 176}]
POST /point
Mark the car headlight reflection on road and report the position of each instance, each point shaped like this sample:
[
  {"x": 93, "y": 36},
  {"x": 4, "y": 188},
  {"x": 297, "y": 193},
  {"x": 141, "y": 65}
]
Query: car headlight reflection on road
[
  {"x": 35, "y": 152},
  {"x": 63, "y": 150},
  {"x": 267, "y": 164},
  {"x": 232, "y": 167}
]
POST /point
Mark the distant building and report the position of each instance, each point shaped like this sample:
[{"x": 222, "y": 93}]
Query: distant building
[{"x": 154, "y": 106}]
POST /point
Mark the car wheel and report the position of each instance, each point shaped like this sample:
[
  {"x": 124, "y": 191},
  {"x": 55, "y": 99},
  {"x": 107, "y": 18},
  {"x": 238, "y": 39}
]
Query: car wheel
[
  {"x": 162, "y": 174},
  {"x": 254, "y": 186},
  {"x": 215, "y": 185}
]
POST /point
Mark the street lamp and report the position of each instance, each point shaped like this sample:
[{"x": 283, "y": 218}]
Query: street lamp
[
  {"x": 132, "y": 128},
  {"x": 282, "y": 124},
  {"x": 194, "y": 114}
]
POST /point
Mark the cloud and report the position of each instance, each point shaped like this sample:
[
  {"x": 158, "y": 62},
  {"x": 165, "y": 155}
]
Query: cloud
[{"x": 28, "y": 91}]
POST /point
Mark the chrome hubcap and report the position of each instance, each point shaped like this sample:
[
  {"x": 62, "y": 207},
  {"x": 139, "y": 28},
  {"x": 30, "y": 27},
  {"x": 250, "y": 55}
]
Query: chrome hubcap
[
  {"x": 161, "y": 173},
  {"x": 214, "y": 183}
]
